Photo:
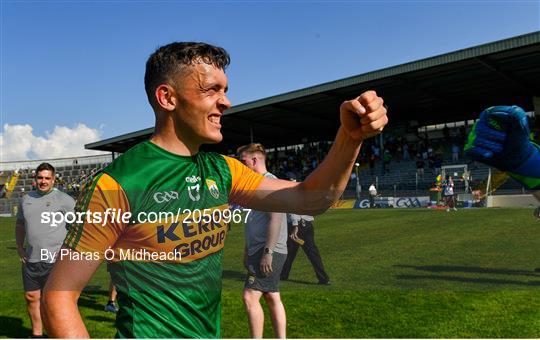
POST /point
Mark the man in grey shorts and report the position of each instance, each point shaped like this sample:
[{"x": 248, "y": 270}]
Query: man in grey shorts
[
  {"x": 265, "y": 254},
  {"x": 43, "y": 239}
]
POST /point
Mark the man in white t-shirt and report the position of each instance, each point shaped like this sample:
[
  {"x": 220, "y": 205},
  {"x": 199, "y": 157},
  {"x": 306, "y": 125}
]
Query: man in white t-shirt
[
  {"x": 449, "y": 194},
  {"x": 372, "y": 194}
]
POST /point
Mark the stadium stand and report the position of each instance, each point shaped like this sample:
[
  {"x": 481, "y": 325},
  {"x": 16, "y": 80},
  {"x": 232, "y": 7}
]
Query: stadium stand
[
  {"x": 431, "y": 103},
  {"x": 447, "y": 92},
  {"x": 71, "y": 174},
  {"x": 398, "y": 175}
]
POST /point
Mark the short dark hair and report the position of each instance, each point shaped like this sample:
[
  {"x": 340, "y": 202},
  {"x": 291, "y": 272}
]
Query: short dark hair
[
  {"x": 170, "y": 59},
  {"x": 45, "y": 166}
]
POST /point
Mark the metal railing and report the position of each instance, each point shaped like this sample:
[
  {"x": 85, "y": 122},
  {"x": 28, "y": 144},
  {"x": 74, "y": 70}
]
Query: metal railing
[{"x": 32, "y": 164}]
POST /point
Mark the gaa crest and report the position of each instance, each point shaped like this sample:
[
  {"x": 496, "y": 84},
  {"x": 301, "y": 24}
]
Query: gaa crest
[{"x": 213, "y": 188}]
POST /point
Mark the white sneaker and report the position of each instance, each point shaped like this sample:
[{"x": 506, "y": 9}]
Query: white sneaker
[
  {"x": 455, "y": 209},
  {"x": 447, "y": 209}
]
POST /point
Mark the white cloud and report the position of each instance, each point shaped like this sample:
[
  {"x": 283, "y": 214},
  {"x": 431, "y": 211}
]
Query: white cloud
[{"x": 18, "y": 142}]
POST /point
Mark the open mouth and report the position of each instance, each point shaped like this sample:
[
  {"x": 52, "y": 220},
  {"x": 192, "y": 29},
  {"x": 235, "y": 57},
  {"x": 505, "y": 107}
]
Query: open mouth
[{"x": 215, "y": 119}]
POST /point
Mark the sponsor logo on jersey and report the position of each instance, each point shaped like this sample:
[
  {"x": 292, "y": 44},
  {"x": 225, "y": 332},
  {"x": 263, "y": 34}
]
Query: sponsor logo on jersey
[
  {"x": 166, "y": 196},
  {"x": 193, "y": 190},
  {"x": 213, "y": 188},
  {"x": 191, "y": 236}
]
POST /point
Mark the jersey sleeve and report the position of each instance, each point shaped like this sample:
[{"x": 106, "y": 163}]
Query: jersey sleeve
[
  {"x": 244, "y": 181},
  {"x": 99, "y": 230}
]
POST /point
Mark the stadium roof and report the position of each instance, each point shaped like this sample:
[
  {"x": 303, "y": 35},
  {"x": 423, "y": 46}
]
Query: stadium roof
[{"x": 446, "y": 88}]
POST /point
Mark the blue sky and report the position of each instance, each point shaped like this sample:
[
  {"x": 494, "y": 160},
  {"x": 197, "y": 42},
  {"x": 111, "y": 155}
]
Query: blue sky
[{"x": 64, "y": 64}]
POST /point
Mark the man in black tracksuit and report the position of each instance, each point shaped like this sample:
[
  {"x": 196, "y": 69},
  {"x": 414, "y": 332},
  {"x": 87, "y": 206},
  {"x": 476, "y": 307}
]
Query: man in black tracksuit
[{"x": 301, "y": 233}]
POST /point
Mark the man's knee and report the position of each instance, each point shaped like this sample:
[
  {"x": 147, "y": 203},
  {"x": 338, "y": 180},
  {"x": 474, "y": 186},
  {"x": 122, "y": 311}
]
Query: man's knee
[
  {"x": 273, "y": 298},
  {"x": 32, "y": 296},
  {"x": 251, "y": 297}
]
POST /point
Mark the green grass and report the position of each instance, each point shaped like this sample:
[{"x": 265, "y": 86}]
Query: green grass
[{"x": 409, "y": 273}]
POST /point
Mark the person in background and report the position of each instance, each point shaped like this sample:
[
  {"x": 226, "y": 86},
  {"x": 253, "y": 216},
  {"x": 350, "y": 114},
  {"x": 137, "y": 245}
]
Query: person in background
[
  {"x": 302, "y": 234},
  {"x": 372, "y": 194},
  {"x": 265, "y": 254},
  {"x": 43, "y": 239},
  {"x": 455, "y": 153},
  {"x": 448, "y": 191},
  {"x": 111, "y": 304}
]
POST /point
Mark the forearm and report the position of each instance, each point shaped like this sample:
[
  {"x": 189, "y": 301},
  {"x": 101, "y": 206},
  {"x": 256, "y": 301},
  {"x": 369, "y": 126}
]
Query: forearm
[
  {"x": 61, "y": 315},
  {"x": 361, "y": 118},
  {"x": 59, "y": 299},
  {"x": 326, "y": 184},
  {"x": 320, "y": 189}
]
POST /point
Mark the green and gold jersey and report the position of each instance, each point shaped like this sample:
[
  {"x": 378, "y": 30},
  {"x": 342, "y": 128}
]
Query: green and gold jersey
[{"x": 161, "y": 220}]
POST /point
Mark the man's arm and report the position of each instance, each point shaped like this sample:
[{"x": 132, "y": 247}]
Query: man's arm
[
  {"x": 272, "y": 235},
  {"x": 59, "y": 303},
  {"x": 361, "y": 118},
  {"x": 20, "y": 235},
  {"x": 71, "y": 273},
  {"x": 294, "y": 222}
]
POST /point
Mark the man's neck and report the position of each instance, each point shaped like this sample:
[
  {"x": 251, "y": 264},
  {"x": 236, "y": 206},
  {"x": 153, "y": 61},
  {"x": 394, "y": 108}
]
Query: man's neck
[
  {"x": 262, "y": 170},
  {"x": 169, "y": 140},
  {"x": 43, "y": 193}
]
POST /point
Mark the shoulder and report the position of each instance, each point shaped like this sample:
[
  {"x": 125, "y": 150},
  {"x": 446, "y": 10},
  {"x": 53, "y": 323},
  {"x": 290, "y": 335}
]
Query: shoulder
[
  {"x": 230, "y": 161},
  {"x": 129, "y": 158},
  {"x": 29, "y": 196},
  {"x": 132, "y": 165},
  {"x": 23, "y": 198},
  {"x": 63, "y": 196},
  {"x": 270, "y": 175},
  {"x": 214, "y": 156}
]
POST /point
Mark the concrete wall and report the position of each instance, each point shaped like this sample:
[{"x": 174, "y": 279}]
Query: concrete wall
[{"x": 503, "y": 201}]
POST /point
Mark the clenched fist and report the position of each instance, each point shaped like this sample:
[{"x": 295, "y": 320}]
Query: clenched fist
[{"x": 364, "y": 116}]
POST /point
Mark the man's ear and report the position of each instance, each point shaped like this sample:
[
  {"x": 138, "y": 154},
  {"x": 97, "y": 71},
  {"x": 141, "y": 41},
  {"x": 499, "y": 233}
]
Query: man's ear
[{"x": 166, "y": 97}]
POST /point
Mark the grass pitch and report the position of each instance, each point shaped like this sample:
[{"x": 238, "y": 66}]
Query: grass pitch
[{"x": 410, "y": 273}]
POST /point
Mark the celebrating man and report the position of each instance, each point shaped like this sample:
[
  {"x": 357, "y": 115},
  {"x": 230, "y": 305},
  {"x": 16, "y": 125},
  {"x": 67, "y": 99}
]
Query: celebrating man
[{"x": 186, "y": 87}]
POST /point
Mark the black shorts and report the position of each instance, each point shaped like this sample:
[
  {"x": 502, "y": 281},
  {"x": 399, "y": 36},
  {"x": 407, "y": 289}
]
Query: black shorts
[
  {"x": 35, "y": 274},
  {"x": 257, "y": 280}
]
